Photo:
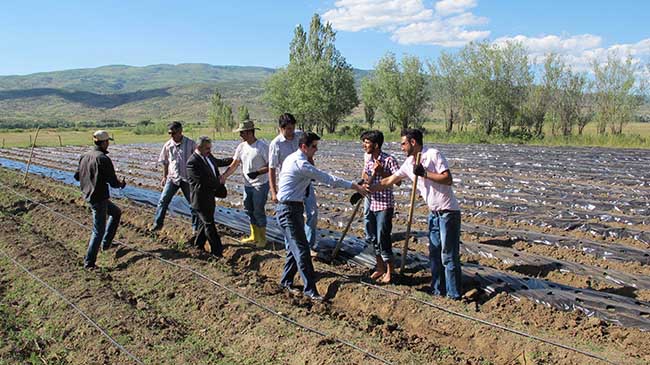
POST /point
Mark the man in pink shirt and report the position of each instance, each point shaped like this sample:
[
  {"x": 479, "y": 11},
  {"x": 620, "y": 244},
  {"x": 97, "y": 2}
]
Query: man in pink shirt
[{"x": 434, "y": 186}]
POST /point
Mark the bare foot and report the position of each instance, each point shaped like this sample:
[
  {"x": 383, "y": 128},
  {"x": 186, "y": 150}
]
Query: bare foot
[
  {"x": 385, "y": 279},
  {"x": 376, "y": 275}
]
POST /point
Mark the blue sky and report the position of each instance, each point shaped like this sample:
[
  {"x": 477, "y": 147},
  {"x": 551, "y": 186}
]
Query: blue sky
[{"x": 42, "y": 35}]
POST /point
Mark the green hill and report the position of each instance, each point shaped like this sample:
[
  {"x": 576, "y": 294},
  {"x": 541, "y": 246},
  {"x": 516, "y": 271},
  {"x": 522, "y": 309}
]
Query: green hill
[{"x": 132, "y": 93}]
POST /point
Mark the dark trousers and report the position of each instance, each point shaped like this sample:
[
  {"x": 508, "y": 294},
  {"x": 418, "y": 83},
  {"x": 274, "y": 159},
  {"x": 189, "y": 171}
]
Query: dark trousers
[
  {"x": 103, "y": 232},
  {"x": 207, "y": 230},
  {"x": 290, "y": 218}
]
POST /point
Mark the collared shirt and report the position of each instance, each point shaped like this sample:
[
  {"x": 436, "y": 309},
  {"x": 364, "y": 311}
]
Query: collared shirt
[
  {"x": 208, "y": 162},
  {"x": 175, "y": 156},
  {"x": 253, "y": 157},
  {"x": 296, "y": 175},
  {"x": 437, "y": 196},
  {"x": 280, "y": 148},
  {"x": 383, "y": 199}
]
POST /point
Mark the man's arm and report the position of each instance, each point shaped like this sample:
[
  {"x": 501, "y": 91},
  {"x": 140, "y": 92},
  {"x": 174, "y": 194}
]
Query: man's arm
[
  {"x": 273, "y": 185},
  {"x": 108, "y": 171},
  {"x": 229, "y": 171},
  {"x": 443, "y": 178},
  {"x": 386, "y": 183}
]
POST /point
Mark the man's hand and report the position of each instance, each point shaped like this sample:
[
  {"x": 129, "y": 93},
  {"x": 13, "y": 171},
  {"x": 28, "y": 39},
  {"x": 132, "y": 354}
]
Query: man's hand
[
  {"x": 378, "y": 169},
  {"x": 274, "y": 197},
  {"x": 123, "y": 183},
  {"x": 222, "y": 179},
  {"x": 418, "y": 170},
  {"x": 163, "y": 181},
  {"x": 253, "y": 174},
  {"x": 361, "y": 189}
]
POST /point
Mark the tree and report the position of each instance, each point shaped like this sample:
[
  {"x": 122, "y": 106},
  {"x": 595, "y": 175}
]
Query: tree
[
  {"x": 399, "y": 90},
  {"x": 616, "y": 91},
  {"x": 242, "y": 113},
  {"x": 368, "y": 96},
  {"x": 215, "y": 111},
  {"x": 317, "y": 85},
  {"x": 499, "y": 79},
  {"x": 448, "y": 83}
]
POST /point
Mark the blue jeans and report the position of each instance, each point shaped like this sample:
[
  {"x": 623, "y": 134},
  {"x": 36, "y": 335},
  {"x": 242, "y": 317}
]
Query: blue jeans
[
  {"x": 379, "y": 226},
  {"x": 444, "y": 253},
  {"x": 101, "y": 233},
  {"x": 166, "y": 196},
  {"x": 298, "y": 258},
  {"x": 254, "y": 202},
  {"x": 311, "y": 207}
]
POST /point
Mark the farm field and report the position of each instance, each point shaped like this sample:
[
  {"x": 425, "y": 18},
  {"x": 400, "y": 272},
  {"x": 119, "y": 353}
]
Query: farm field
[{"x": 555, "y": 245}]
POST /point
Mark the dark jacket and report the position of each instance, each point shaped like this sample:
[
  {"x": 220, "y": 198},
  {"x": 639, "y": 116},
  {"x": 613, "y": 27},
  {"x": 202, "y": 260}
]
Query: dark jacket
[
  {"x": 203, "y": 183},
  {"x": 95, "y": 173}
]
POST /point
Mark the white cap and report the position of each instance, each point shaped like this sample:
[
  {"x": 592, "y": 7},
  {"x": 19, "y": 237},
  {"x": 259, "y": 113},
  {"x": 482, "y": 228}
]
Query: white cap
[{"x": 100, "y": 136}]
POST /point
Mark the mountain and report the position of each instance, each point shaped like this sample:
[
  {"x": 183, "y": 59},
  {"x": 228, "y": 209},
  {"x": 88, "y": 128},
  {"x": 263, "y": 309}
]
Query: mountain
[{"x": 132, "y": 93}]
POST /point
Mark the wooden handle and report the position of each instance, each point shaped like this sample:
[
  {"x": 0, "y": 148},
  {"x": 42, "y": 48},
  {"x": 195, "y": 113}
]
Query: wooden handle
[
  {"x": 405, "y": 247},
  {"x": 345, "y": 231},
  {"x": 31, "y": 154}
]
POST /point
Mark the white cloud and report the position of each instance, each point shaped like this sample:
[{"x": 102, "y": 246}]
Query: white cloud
[
  {"x": 410, "y": 21},
  {"x": 579, "y": 51},
  {"x": 448, "y": 7},
  {"x": 356, "y": 15}
]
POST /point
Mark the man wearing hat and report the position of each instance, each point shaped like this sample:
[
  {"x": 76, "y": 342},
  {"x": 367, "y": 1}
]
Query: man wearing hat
[
  {"x": 253, "y": 155},
  {"x": 173, "y": 158},
  {"x": 95, "y": 173}
]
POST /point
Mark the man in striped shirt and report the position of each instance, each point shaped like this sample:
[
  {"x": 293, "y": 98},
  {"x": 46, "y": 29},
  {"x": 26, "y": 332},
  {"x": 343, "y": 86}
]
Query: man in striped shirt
[{"x": 379, "y": 213}]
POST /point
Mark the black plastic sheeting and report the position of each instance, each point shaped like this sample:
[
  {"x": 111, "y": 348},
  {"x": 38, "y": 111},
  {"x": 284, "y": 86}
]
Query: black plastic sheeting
[
  {"x": 612, "y": 308},
  {"x": 601, "y": 192}
]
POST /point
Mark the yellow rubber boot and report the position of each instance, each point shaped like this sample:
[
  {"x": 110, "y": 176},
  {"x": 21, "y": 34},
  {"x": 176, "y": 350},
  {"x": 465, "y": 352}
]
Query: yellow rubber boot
[
  {"x": 261, "y": 237},
  {"x": 253, "y": 237}
]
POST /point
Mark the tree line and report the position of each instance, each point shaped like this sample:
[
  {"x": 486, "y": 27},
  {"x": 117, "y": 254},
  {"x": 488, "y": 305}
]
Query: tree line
[{"x": 494, "y": 87}]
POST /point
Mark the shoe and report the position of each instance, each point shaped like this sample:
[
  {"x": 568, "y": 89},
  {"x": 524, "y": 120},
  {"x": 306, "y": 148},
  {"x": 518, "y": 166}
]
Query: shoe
[
  {"x": 107, "y": 247},
  {"x": 253, "y": 237},
  {"x": 155, "y": 227},
  {"x": 291, "y": 290},
  {"x": 92, "y": 267},
  {"x": 315, "y": 297},
  {"x": 260, "y": 240}
]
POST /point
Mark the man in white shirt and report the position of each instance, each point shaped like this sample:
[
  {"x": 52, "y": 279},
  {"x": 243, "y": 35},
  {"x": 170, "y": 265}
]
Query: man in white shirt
[
  {"x": 444, "y": 220},
  {"x": 296, "y": 175},
  {"x": 253, "y": 156},
  {"x": 280, "y": 147}
]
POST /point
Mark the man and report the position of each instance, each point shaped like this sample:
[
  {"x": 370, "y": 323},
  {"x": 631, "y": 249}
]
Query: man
[
  {"x": 253, "y": 155},
  {"x": 379, "y": 213},
  {"x": 173, "y": 158},
  {"x": 280, "y": 147},
  {"x": 295, "y": 177},
  {"x": 444, "y": 219},
  {"x": 203, "y": 177},
  {"x": 95, "y": 173}
]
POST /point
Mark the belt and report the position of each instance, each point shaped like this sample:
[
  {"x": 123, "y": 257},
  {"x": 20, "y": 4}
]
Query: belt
[
  {"x": 444, "y": 211},
  {"x": 293, "y": 204}
]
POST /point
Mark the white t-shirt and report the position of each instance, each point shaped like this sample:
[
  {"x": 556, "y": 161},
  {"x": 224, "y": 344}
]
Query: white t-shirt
[
  {"x": 252, "y": 158},
  {"x": 437, "y": 196}
]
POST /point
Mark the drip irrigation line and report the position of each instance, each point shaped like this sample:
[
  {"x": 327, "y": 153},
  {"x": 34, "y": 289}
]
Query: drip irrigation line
[
  {"x": 71, "y": 304},
  {"x": 216, "y": 283}
]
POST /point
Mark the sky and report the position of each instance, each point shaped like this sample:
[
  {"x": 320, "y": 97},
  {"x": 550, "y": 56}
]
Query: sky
[{"x": 46, "y": 35}]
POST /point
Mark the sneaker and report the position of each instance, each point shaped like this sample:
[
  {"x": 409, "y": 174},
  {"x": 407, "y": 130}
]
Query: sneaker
[
  {"x": 315, "y": 297},
  {"x": 107, "y": 247},
  {"x": 291, "y": 290},
  {"x": 155, "y": 228},
  {"x": 92, "y": 267}
]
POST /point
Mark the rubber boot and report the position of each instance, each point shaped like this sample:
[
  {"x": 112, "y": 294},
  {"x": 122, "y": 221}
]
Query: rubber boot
[
  {"x": 252, "y": 238},
  {"x": 261, "y": 237}
]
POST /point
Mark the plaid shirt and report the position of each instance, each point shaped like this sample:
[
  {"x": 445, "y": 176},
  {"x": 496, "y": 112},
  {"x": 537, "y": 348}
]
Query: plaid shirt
[{"x": 381, "y": 200}]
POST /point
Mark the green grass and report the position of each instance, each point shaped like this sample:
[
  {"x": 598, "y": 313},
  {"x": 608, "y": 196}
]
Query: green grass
[{"x": 637, "y": 135}]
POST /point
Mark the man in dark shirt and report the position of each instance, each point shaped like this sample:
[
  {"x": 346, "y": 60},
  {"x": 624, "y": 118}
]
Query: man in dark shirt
[{"x": 95, "y": 173}]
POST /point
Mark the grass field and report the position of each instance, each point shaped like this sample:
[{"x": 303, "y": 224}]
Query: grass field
[{"x": 636, "y": 135}]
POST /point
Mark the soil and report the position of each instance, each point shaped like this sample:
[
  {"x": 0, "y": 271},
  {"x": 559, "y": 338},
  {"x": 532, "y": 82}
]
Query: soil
[{"x": 163, "y": 314}]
